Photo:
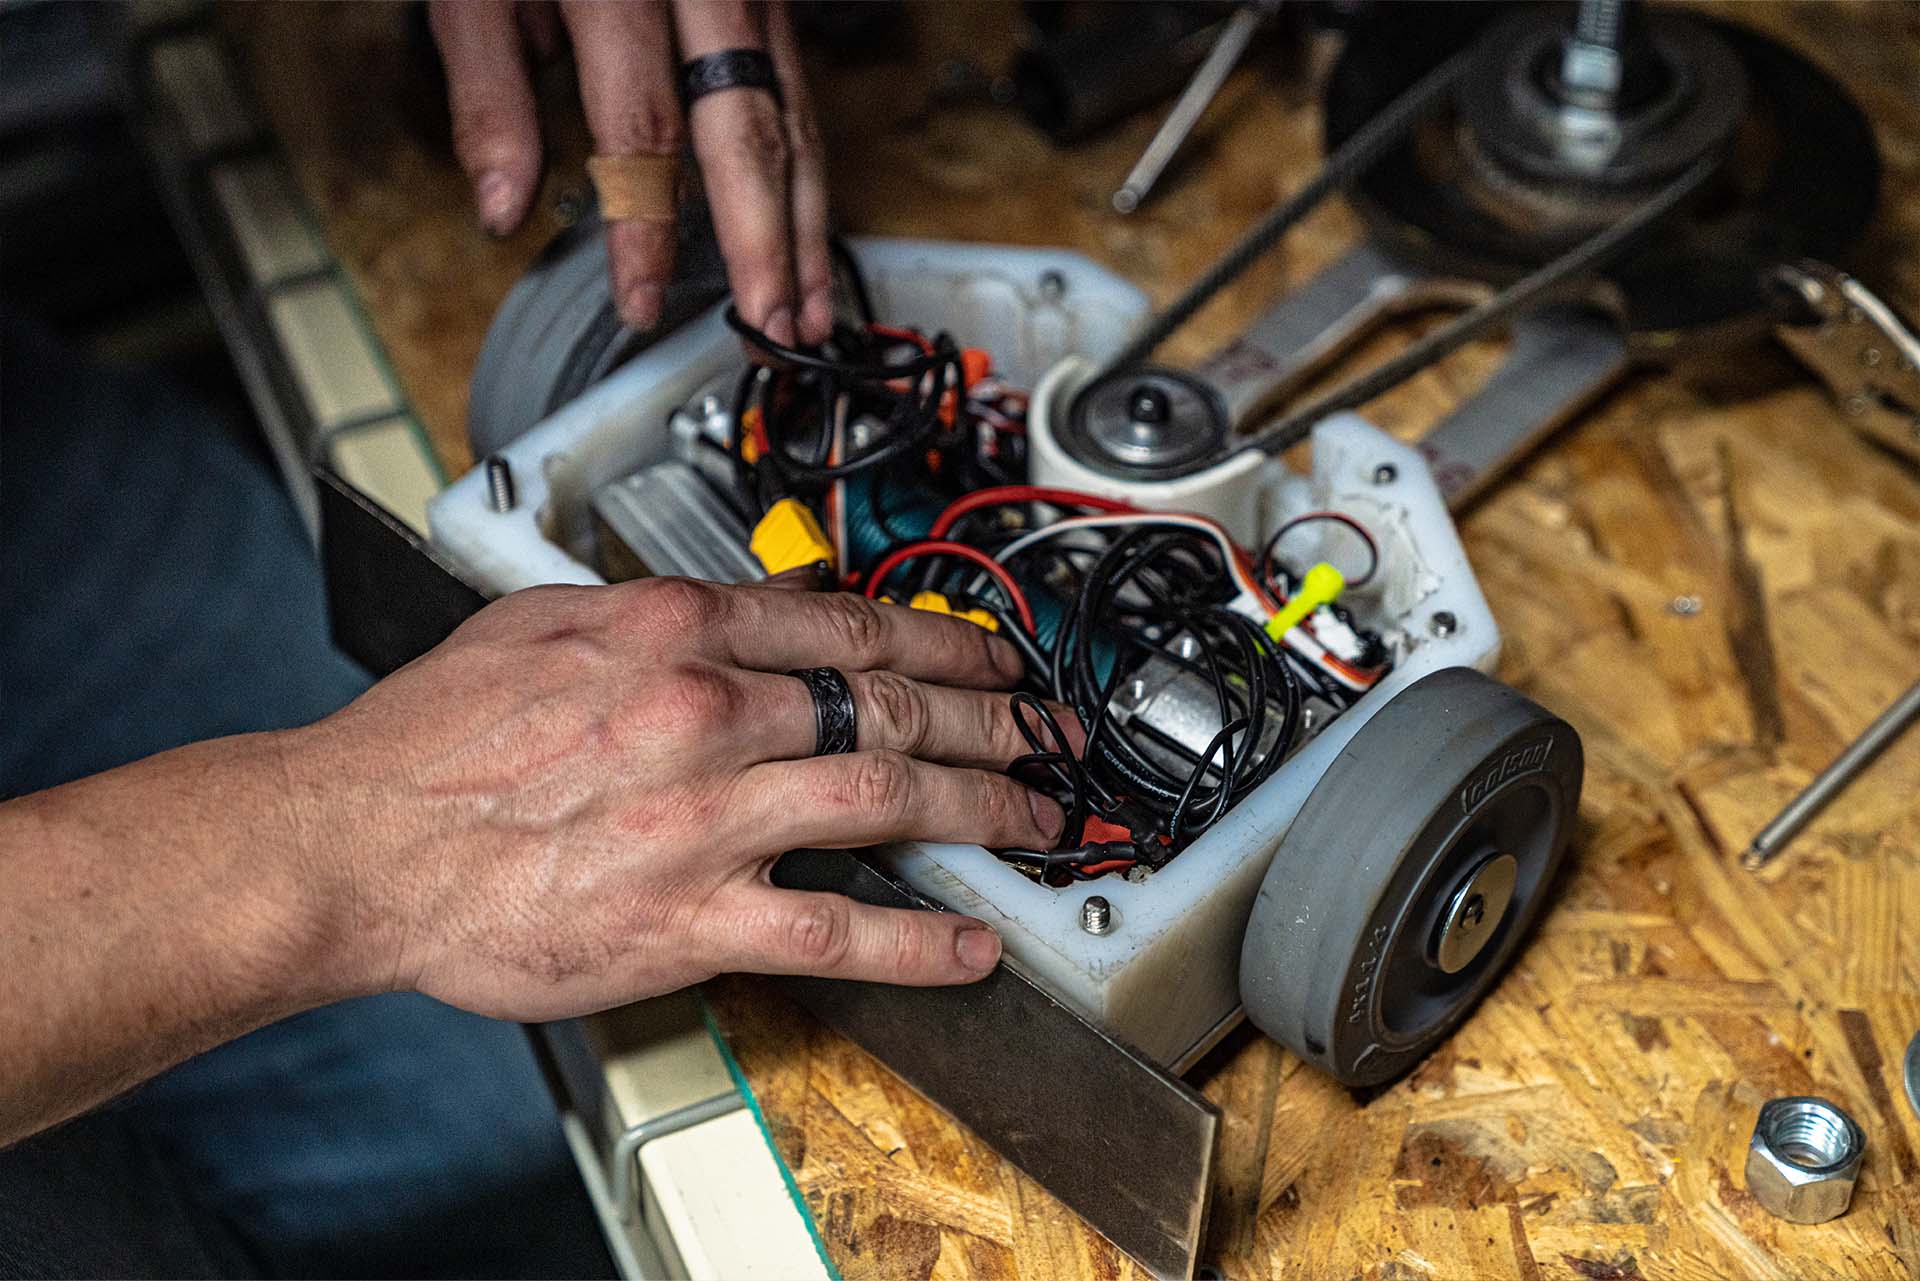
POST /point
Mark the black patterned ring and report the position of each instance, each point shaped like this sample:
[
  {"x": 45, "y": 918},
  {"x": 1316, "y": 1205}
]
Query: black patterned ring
[{"x": 835, "y": 724}]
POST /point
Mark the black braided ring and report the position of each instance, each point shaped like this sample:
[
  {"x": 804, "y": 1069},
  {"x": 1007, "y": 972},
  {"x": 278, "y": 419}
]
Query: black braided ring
[
  {"x": 835, "y": 726},
  {"x": 727, "y": 69}
]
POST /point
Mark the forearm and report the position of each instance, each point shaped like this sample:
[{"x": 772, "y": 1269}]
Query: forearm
[{"x": 154, "y": 911}]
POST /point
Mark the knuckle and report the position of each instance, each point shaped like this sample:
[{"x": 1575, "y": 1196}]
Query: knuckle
[
  {"x": 881, "y": 784},
  {"x": 821, "y": 933},
  {"x": 999, "y": 806},
  {"x": 803, "y": 134},
  {"x": 679, "y": 605},
  {"x": 906, "y": 947},
  {"x": 655, "y": 125},
  {"x": 762, "y": 139},
  {"x": 698, "y": 698},
  {"x": 856, "y": 626},
  {"x": 901, "y": 705}
]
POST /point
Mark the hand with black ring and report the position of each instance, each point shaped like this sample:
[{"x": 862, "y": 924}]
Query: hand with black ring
[
  {"x": 758, "y": 147},
  {"x": 575, "y": 800}
]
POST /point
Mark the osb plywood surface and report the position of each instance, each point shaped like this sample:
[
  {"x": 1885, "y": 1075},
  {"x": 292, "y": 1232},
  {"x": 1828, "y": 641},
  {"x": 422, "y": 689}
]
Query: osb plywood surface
[{"x": 1590, "y": 1120}]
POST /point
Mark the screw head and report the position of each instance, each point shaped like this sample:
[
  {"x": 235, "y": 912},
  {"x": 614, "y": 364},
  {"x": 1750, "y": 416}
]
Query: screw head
[
  {"x": 1096, "y": 915},
  {"x": 1149, "y": 404},
  {"x": 1443, "y": 624},
  {"x": 1053, "y": 286},
  {"x": 1686, "y": 606},
  {"x": 1472, "y": 912},
  {"x": 1385, "y": 474}
]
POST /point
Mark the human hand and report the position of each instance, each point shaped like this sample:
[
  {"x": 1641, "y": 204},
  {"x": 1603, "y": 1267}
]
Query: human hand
[
  {"x": 574, "y": 801},
  {"x": 759, "y": 156}
]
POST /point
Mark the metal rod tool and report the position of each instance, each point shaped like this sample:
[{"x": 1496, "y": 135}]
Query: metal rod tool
[
  {"x": 1235, "y": 35},
  {"x": 1857, "y": 756}
]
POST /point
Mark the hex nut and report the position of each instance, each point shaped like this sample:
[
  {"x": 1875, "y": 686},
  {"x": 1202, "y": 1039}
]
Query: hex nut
[{"x": 1804, "y": 1159}]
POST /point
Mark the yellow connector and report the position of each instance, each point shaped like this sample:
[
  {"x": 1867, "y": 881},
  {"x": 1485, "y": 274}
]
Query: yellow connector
[
  {"x": 1322, "y": 585},
  {"x": 788, "y": 536},
  {"x": 937, "y": 603}
]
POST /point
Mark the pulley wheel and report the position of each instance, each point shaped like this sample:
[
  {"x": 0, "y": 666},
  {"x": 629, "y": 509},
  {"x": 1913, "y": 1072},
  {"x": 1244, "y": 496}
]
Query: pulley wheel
[
  {"x": 558, "y": 333},
  {"x": 1415, "y": 869},
  {"x": 1145, "y": 422},
  {"x": 1800, "y": 180}
]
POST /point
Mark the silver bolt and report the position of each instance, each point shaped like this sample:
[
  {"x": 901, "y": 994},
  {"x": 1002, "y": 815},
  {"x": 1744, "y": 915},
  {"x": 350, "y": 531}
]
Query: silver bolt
[
  {"x": 1096, "y": 915},
  {"x": 1385, "y": 474},
  {"x": 499, "y": 484},
  {"x": 1474, "y": 912},
  {"x": 1857, "y": 406},
  {"x": 1870, "y": 357},
  {"x": 1686, "y": 606},
  {"x": 1443, "y": 624},
  {"x": 1053, "y": 286}
]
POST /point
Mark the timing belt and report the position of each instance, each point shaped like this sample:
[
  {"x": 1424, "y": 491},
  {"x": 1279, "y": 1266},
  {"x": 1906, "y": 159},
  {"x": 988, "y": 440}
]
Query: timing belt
[{"x": 1347, "y": 162}]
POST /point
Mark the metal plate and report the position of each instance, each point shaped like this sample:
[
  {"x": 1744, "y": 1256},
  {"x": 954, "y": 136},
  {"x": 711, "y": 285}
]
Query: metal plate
[
  {"x": 390, "y": 598},
  {"x": 1132, "y": 1154}
]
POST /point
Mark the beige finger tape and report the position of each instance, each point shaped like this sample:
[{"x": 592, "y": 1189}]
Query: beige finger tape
[{"x": 645, "y": 187}]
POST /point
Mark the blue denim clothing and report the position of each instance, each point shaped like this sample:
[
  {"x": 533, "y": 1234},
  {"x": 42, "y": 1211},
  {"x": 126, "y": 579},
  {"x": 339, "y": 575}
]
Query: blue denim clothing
[{"x": 156, "y": 588}]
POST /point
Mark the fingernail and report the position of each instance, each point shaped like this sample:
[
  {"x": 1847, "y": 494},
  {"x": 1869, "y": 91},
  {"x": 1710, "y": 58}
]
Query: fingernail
[
  {"x": 640, "y": 304},
  {"x": 978, "y": 948},
  {"x": 779, "y": 326},
  {"x": 1006, "y": 658},
  {"x": 494, "y": 194},
  {"x": 1047, "y": 815}
]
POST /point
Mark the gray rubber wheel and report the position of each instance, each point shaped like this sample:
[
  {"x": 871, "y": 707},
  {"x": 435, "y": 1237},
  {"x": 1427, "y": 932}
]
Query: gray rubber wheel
[
  {"x": 557, "y": 333},
  {"x": 1458, "y": 792}
]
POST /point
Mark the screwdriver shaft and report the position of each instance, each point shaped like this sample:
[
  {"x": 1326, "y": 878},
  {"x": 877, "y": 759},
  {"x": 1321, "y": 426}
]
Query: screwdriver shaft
[{"x": 1857, "y": 756}]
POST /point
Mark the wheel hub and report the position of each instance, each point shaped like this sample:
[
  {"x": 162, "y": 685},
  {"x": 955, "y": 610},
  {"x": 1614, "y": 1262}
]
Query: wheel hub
[{"x": 1474, "y": 911}]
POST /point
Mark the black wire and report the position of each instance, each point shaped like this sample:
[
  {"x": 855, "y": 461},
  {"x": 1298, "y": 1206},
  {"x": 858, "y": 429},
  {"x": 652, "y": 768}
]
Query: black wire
[
  {"x": 1152, "y": 589},
  {"x": 798, "y": 359},
  {"x": 1265, "y": 566}
]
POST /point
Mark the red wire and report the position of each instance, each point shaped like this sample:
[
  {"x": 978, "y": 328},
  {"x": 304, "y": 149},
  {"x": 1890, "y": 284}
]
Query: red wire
[
  {"x": 1005, "y": 495},
  {"x": 941, "y": 547}
]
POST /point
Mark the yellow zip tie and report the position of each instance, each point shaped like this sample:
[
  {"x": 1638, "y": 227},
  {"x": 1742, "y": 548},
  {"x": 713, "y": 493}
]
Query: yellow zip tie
[{"x": 1321, "y": 586}]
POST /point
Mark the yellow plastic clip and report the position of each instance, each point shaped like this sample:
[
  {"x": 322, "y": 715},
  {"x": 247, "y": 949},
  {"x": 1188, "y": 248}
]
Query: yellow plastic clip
[
  {"x": 1321, "y": 586},
  {"x": 788, "y": 536},
  {"x": 937, "y": 603}
]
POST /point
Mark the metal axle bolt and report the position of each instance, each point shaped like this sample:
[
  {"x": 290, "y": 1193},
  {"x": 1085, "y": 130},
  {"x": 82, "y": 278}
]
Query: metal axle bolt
[
  {"x": 1385, "y": 474},
  {"x": 1096, "y": 915},
  {"x": 1443, "y": 624},
  {"x": 1474, "y": 912}
]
